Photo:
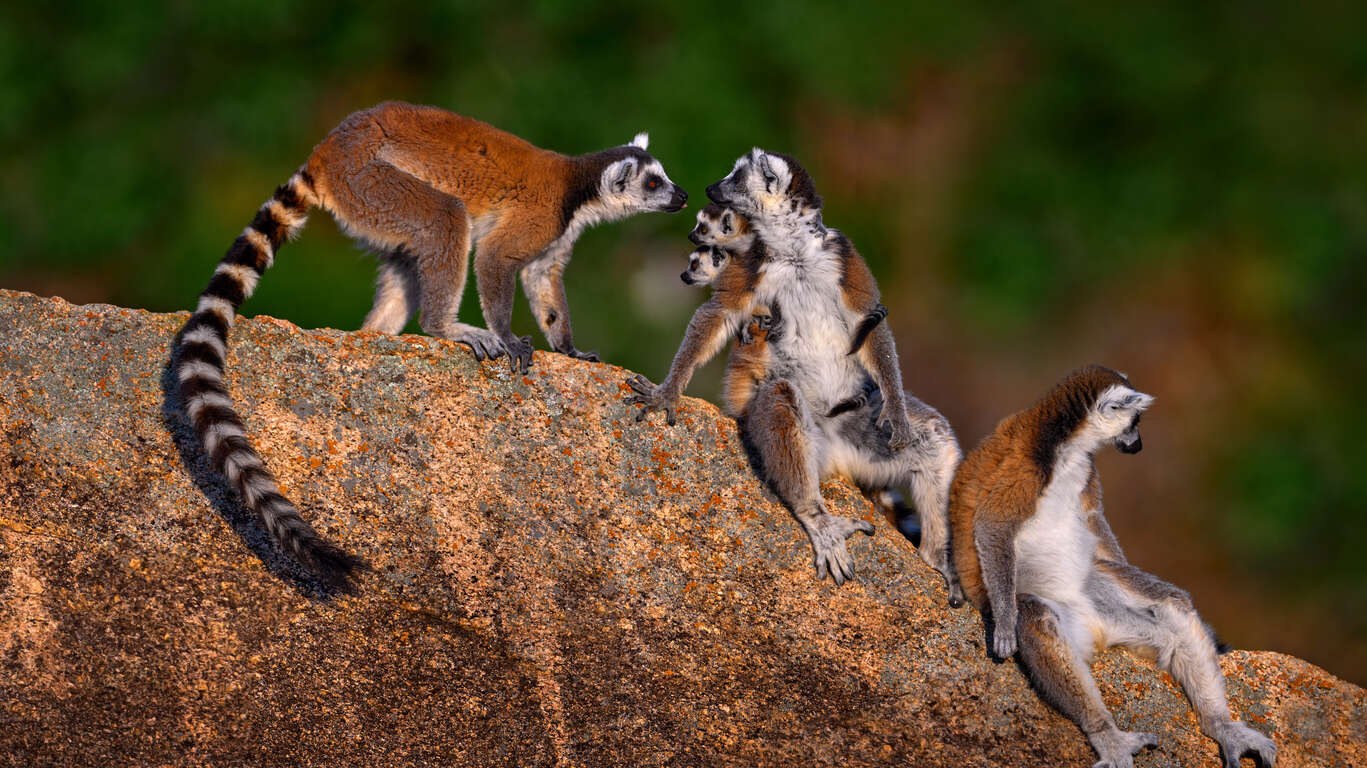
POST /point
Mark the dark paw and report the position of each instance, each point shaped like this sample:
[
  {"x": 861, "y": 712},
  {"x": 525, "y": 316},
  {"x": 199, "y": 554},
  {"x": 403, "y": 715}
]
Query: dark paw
[
  {"x": 650, "y": 398},
  {"x": 592, "y": 357},
  {"x": 519, "y": 354}
]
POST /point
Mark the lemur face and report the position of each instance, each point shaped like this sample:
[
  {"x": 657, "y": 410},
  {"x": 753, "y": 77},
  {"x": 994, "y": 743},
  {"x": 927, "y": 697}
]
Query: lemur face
[
  {"x": 1116, "y": 417},
  {"x": 767, "y": 183},
  {"x": 638, "y": 183},
  {"x": 704, "y": 264},
  {"x": 720, "y": 226}
]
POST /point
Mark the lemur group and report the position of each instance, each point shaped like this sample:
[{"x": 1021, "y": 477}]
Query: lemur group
[{"x": 813, "y": 382}]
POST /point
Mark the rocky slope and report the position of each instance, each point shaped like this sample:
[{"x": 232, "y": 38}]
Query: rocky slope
[{"x": 553, "y": 584}]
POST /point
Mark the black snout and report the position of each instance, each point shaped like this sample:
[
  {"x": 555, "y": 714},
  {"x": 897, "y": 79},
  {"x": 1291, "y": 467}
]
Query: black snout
[
  {"x": 1134, "y": 447},
  {"x": 677, "y": 200},
  {"x": 714, "y": 194},
  {"x": 686, "y": 277},
  {"x": 694, "y": 237}
]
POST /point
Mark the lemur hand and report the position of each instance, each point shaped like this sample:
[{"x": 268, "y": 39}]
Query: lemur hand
[
  {"x": 592, "y": 357},
  {"x": 897, "y": 427},
  {"x": 1004, "y": 638},
  {"x": 650, "y": 398}
]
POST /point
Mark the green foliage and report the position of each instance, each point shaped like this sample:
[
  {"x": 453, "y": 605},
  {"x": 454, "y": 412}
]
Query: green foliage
[{"x": 1199, "y": 139}]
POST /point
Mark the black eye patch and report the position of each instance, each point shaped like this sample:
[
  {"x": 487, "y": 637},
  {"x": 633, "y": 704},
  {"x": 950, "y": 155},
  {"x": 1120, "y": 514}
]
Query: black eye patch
[{"x": 653, "y": 182}]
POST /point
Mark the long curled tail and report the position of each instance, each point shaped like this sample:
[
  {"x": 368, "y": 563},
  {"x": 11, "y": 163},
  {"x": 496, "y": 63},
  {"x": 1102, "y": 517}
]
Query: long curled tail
[{"x": 199, "y": 369}]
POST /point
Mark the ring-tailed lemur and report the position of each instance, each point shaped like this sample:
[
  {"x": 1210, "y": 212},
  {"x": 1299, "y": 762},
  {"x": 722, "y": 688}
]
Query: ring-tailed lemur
[
  {"x": 419, "y": 185},
  {"x": 826, "y": 293},
  {"x": 718, "y": 230},
  {"x": 1033, "y": 548}
]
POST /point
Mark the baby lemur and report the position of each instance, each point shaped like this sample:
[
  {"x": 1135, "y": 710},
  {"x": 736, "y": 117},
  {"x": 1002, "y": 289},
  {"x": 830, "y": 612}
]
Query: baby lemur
[
  {"x": 419, "y": 185},
  {"x": 825, "y": 292},
  {"x": 1033, "y": 549}
]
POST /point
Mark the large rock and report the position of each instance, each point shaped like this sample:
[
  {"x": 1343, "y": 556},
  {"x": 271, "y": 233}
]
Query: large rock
[{"x": 553, "y": 584}]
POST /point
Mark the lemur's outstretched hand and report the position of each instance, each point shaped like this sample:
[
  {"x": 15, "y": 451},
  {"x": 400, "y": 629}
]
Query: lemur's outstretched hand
[
  {"x": 651, "y": 398},
  {"x": 896, "y": 426},
  {"x": 591, "y": 357}
]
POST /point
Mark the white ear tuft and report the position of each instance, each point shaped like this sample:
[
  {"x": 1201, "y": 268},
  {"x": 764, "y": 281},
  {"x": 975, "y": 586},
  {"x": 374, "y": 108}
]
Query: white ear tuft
[{"x": 641, "y": 141}]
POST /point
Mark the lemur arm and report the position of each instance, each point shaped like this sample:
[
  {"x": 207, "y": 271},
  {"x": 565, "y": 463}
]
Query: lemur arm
[
  {"x": 866, "y": 326},
  {"x": 543, "y": 282},
  {"x": 713, "y": 324},
  {"x": 879, "y": 357},
  {"x": 994, "y": 539}
]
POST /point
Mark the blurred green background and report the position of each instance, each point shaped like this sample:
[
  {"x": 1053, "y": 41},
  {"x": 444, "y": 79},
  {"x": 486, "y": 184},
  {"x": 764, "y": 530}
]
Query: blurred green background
[{"x": 1175, "y": 189}]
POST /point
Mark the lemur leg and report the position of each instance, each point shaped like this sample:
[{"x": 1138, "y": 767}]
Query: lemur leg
[
  {"x": 389, "y": 210},
  {"x": 779, "y": 428},
  {"x": 935, "y": 460},
  {"x": 1147, "y": 614},
  {"x": 925, "y": 466},
  {"x": 543, "y": 282},
  {"x": 397, "y": 295},
  {"x": 496, "y": 277},
  {"x": 1050, "y": 635}
]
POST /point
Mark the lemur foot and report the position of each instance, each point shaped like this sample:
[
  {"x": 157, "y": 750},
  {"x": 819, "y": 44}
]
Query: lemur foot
[
  {"x": 1004, "y": 640},
  {"x": 956, "y": 592},
  {"x": 1238, "y": 740},
  {"x": 650, "y": 398},
  {"x": 592, "y": 357},
  {"x": 828, "y": 542},
  {"x": 1117, "y": 748},
  {"x": 519, "y": 353},
  {"x": 897, "y": 428},
  {"x": 484, "y": 344}
]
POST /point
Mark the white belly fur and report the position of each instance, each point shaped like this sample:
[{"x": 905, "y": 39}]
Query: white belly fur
[
  {"x": 816, "y": 330},
  {"x": 1055, "y": 548}
]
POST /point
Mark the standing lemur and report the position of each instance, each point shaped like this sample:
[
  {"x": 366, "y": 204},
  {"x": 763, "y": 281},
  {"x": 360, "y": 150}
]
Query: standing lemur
[
  {"x": 825, "y": 292},
  {"x": 420, "y": 186},
  {"x": 1033, "y": 549}
]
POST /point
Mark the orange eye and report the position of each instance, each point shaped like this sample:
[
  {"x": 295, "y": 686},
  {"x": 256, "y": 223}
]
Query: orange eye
[{"x": 652, "y": 184}]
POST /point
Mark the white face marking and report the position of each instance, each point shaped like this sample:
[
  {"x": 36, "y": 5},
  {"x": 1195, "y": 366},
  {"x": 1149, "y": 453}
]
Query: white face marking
[{"x": 1113, "y": 418}]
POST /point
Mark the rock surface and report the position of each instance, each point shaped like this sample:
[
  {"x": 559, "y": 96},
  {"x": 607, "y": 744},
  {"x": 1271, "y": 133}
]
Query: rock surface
[{"x": 553, "y": 585}]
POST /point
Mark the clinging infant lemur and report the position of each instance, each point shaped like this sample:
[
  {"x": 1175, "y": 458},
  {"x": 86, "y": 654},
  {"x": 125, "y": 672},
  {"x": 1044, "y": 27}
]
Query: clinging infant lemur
[
  {"x": 420, "y": 186},
  {"x": 1033, "y": 549}
]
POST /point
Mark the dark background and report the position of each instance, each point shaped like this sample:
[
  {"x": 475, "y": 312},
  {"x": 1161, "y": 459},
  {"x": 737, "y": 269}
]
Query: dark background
[{"x": 1177, "y": 190}]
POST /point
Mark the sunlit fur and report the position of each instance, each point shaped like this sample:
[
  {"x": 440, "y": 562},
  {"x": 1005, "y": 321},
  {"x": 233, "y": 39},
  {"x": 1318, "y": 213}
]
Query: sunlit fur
[
  {"x": 1033, "y": 550},
  {"x": 420, "y": 186},
  {"x": 823, "y": 293}
]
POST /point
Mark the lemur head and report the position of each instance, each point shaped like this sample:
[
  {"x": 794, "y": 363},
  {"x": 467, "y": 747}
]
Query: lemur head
[
  {"x": 721, "y": 226},
  {"x": 704, "y": 264},
  {"x": 770, "y": 186},
  {"x": 632, "y": 181},
  {"x": 1093, "y": 406}
]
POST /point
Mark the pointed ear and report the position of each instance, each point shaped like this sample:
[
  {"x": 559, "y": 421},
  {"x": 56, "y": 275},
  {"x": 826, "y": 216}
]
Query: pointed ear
[
  {"x": 625, "y": 170},
  {"x": 641, "y": 140},
  {"x": 764, "y": 165},
  {"x": 727, "y": 226}
]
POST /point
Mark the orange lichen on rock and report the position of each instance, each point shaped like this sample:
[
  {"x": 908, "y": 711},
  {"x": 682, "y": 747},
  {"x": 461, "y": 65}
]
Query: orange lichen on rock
[{"x": 641, "y": 602}]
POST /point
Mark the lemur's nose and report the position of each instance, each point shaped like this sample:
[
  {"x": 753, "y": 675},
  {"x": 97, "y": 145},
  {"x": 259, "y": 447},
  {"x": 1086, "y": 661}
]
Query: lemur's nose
[
  {"x": 714, "y": 193},
  {"x": 694, "y": 237}
]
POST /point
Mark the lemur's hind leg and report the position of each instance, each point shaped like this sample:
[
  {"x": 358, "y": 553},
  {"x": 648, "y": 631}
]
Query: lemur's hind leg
[
  {"x": 1149, "y": 615},
  {"x": 935, "y": 460},
  {"x": 780, "y": 430},
  {"x": 389, "y": 210},
  {"x": 1049, "y": 637},
  {"x": 397, "y": 294}
]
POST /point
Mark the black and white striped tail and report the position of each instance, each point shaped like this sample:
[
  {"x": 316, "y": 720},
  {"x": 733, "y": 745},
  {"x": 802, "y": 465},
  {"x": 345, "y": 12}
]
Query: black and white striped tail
[{"x": 199, "y": 369}]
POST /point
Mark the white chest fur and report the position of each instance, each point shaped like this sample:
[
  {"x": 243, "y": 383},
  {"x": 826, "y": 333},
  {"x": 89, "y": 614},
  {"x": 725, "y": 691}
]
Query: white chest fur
[
  {"x": 1054, "y": 548},
  {"x": 816, "y": 326}
]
